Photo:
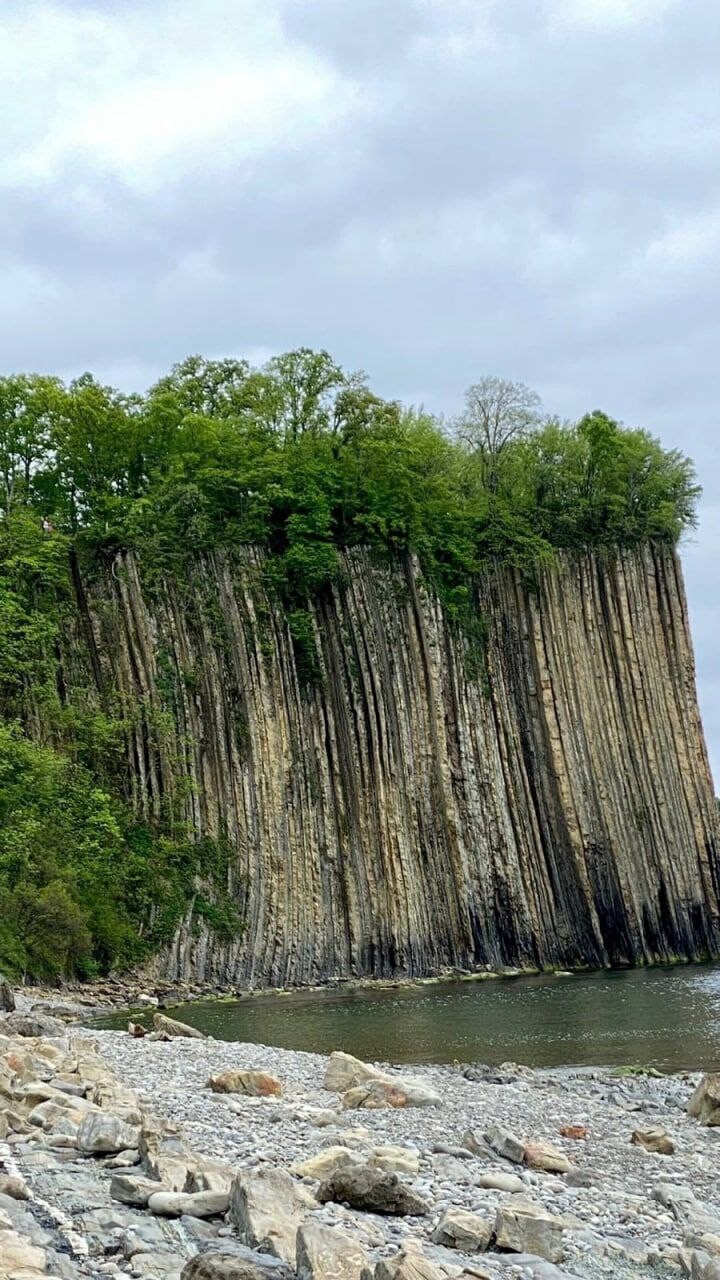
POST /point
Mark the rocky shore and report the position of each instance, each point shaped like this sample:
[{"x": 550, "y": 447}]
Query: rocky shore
[{"x": 172, "y": 1155}]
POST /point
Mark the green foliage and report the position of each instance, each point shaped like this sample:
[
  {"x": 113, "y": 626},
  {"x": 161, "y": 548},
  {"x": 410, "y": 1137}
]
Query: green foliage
[{"x": 296, "y": 457}]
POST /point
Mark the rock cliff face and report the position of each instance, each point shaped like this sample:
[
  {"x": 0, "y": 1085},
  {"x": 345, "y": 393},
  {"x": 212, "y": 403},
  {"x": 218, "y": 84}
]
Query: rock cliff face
[{"x": 404, "y": 815}]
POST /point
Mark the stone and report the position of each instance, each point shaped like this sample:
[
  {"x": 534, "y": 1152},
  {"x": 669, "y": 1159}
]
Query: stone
[
  {"x": 18, "y": 1257},
  {"x": 325, "y": 1163},
  {"x": 543, "y": 1156},
  {"x": 502, "y": 1182},
  {"x": 7, "y": 999},
  {"x": 14, "y": 1187},
  {"x": 505, "y": 1144},
  {"x": 409, "y": 1264},
  {"x": 655, "y": 1139},
  {"x": 395, "y": 1159},
  {"x": 235, "y": 1262},
  {"x": 194, "y": 1204},
  {"x": 104, "y": 1134},
  {"x": 577, "y": 1132},
  {"x": 257, "y": 1084},
  {"x": 374, "y": 1096},
  {"x": 33, "y": 1026},
  {"x": 136, "y": 1030},
  {"x": 344, "y": 1072},
  {"x": 527, "y": 1229},
  {"x": 372, "y": 1190},
  {"x": 324, "y": 1253},
  {"x": 171, "y": 1027},
  {"x": 132, "y": 1190},
  {"x": 704, "y": 1104},
  {"x": 267, "y": 1208},
  {"x": 459, "y": 1229}
]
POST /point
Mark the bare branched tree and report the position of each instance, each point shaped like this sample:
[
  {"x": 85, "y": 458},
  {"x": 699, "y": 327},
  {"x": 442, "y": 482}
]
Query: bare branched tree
[{"x": 496, "y": 412}]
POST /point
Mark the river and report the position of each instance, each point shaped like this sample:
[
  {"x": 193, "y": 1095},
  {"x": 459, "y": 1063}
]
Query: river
[{"x": 663, "y": 1017}]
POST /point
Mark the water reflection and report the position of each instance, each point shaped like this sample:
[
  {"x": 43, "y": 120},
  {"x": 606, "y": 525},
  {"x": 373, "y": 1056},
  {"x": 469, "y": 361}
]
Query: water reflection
[{"x": 669, "y": 1018}]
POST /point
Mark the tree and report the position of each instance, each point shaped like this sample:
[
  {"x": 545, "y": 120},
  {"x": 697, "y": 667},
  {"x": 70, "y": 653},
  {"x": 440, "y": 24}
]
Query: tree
[
  {"x": 28, "y": 405},
  {"x": 496, "y": 413}
]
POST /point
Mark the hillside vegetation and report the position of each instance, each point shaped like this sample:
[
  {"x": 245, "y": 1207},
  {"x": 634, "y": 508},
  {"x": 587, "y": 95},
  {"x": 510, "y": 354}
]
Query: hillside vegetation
[{"x": 298, "y": 458}]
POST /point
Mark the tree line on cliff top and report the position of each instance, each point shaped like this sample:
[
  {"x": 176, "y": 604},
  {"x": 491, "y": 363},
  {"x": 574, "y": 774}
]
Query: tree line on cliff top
[{"x": 304, "y": 460}]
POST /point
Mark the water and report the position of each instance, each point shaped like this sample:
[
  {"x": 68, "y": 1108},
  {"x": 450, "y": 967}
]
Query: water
[{"x": 665, "y": 1017}]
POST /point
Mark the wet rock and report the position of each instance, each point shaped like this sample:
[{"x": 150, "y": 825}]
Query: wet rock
[
  {"x": 505, "y": 1144},
  {"x": 459, "y": 1229},
  {"x": 543, "y": 1156},
  {"x": 529, "y": 1229},
  {"x": 267, "y": 1208},
  {"x": 171, "y": 1027},
  {"x": 104, "y": 1134},
  {"x": 324, "y": 1253},
  {"x": 655, "y": 1139},
  {"x": 704, "y": 1104},
  {"x": 257, "y": 1084},
  {"x": 373, "y": 1191}
]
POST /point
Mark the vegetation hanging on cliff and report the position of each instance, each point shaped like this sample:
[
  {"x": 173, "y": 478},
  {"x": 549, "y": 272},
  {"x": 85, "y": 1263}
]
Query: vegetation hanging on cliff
[{"x": 297, "y": 457}]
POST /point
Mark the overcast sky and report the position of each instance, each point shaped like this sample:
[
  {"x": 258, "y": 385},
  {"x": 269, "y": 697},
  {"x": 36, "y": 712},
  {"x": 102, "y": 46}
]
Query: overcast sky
[{"x": 431, "y": 189}]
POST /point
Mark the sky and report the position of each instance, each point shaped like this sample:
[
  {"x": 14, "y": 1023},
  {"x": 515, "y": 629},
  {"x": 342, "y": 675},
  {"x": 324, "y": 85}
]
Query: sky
[{"x": 430, "y": 189}]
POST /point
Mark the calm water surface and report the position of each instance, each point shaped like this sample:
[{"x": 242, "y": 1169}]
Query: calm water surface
[{"x": 665, "y": 1017}]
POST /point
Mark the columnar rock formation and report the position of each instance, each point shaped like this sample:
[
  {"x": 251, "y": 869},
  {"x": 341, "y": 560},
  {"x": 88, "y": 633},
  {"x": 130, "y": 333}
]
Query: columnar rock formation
[{"x": 546, "y": 801}]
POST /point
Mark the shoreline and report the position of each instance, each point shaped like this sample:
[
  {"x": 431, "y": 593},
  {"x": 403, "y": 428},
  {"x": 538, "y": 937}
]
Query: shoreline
[{"x": 615, "y": 1204}]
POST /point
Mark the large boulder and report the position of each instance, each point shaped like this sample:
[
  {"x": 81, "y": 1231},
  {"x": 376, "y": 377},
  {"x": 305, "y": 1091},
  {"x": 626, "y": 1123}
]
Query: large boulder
[
  {"x": 325, "y": 1163},
  {"x": 529, "y": 1229},
  {"x": 33, "y": 1025},
  {"x": 267, "y": 1208},
  {"x": 504, "y": 1143},
  {"x": 178, "y": 1030},
  {"x": 460, "y": 1229},
  {"x": 704, "y": 1104},
  {"x": 257, "y": 1084},
  {"x": 363, "y": 1085},
  {"x": 128, "y": 1188},
  {"x": 324, "y": 1253},
  {"x": 102, "y": 1134},
  {"x": 410, "y": 1264},
  {"x": 372, "y": 1190}
]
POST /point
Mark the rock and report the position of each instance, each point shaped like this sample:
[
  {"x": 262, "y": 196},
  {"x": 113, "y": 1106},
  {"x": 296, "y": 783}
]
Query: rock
[
  {"x": 371, "y": 1190},
  {"x": 395, "y": 1159},
  {"x": 363, "y": 1085},
  {"x": 267, "y": 1208},
  {"x": 502, "y": 1182},
  {"x": 344, "y": 1072},
  {"x": 7, "y": 999},
  {"x": 34, "y": 1026},
  {"x": 103, "y": 1134},
  {"x": 19, "y": 1259},
  {"x": 257, "y": 1084},
  {"x": 324, "y": 1253},
  {"x": 505, "y": 1144},
  {"x": 527, "y": 1229},
  {"x": 541, "y": 1155},
  {"x": 235, "y": 1262},
  {"x": 197, "y": 1204},
  {"x": 577, "y": 1132},
  {"x": 136, "y": 1030},
  {"x": 655, "y": 1139},
  {"x": 13, "y": 1187},
  {"x": 150, "y": 1002},
  {"x": 170, "y": 1027},
  {"x": 409, "y": 1264},
  {"x": 704, "y": 1104},
  {"x": 325, "y": 1163},
  {"x": 459, "y": 1229},
  {"x": 132, "y": 1190}
]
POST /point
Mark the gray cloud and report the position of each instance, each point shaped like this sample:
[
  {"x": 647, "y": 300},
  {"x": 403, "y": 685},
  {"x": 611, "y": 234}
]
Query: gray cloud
[{"x": 431, "y": 190}]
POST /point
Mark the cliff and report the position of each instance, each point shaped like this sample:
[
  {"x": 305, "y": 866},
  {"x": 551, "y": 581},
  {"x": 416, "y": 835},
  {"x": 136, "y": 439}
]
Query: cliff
[{"x": 549, "y": 804}]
